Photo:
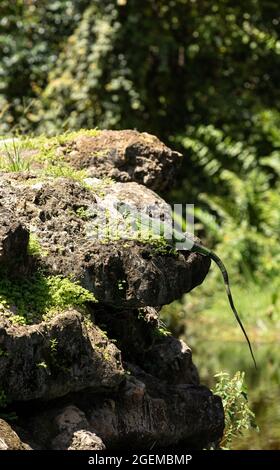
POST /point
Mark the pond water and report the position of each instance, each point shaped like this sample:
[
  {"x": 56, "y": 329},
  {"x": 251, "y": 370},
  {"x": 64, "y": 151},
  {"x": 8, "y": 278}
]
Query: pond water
[{"x": 263, "y": 385}]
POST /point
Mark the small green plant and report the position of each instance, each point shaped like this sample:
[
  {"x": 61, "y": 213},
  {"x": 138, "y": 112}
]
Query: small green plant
[
  {"x": 121, "y": 284},
  {"x": 66, "y": 293},
  {"x": 53, "y": 346},
  {"x": 42, "y": 365},
  {"x": 34, "y": 247},
  {"x": 83, "y": 213},
  {"x": 162, "y": 332},
  {"x": 13, "y": 160},
  {"x": 238, "y": 415},
  {"x": 53, "y": 351}
]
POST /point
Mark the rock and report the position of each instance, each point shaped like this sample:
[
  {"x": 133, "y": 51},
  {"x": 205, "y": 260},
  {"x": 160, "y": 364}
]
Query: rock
[
  {"x": 73, "y": 432},
  {"x": 170, "y": 360},
  {"x": 150, "y": 413},
  {"x": 144, "y": 342},
  {"x": 86, "y": 440},
  {"x": 125, "y": 156},
  {"x": 54, "y": 358},
  {"x": 137, "y": 276},
  {"x": 146, "y": 412},
  {"x": 13, "y": 244},
  {"x": 9, "y": 440},
  {"x": 70, "y": 385},
  {"x": 123, "y": 273},
  {"x": 70, "y": 419}
]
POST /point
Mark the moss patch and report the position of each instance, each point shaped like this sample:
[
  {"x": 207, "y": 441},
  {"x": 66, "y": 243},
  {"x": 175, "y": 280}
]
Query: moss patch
[
  {"x": 40, "y": 297},
  {"x": 63, "y": 170},
  {"x": 34, "y": 247},
  {"x": 69, "y": 136},
  {"x": 24, "y": 153}
]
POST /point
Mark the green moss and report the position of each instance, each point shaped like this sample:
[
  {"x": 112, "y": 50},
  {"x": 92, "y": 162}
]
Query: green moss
[
  {"x": 18, "y": 320},
  {"x": 45, "y": 157},
  {"x": 34, "y": 247},
  {"x": 83, "y": 213},
  {"x": 63, "y": 170},
  {"x": 41, "y": 142},
  {"x": 69, "y": 136},
  {"x": 41, "y": 297},
  {"x": 21, "y": 153},
  {"x": 160, "y": 245}
]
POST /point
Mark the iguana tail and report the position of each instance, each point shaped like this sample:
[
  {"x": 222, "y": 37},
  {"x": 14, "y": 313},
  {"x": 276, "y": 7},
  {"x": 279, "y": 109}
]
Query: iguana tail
[{"x": 206, "y": 252}]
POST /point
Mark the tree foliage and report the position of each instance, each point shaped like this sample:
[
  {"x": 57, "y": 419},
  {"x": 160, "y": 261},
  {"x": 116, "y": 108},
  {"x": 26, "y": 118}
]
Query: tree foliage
[{"x": 152, "y": 64}]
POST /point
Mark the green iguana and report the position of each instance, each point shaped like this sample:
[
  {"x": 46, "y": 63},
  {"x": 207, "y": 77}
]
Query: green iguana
[{"x": 174, "y": 236}]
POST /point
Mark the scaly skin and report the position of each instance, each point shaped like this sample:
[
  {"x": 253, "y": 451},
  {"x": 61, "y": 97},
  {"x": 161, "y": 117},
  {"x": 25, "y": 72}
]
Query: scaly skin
[{"x": 179, "y": 237}]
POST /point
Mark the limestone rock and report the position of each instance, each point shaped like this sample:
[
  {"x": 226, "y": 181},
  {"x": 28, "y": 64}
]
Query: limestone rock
[
  {"x": 150, "y": 413},
  {"x": 72, "y": 385},
  {"x": 9, "y": 440},
  {"x": 145, "y": 412},
  {"x": 123, "y": 273},
  {"x": 86, "y": 440},
  {"x": 143, "y": 341},
  {"x": 34, "y": 366},
  {"x": 125, "y": 156}
]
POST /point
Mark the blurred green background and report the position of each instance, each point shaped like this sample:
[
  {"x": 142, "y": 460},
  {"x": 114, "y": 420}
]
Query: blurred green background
[{"x": 204, "y": 77}]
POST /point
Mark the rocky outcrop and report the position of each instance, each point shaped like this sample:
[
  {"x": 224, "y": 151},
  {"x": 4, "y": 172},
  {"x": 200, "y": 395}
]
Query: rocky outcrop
[
  {"x": 150, "y": 413},
  {"x": 126, "y": 156},
  {"x": 144, "y": 413},
  {"x": 118, "y": 272},
  {"x": 56, "y": 357},
  {"x": 86, "y": 365},
  {"x": 143, "y": 343}
]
